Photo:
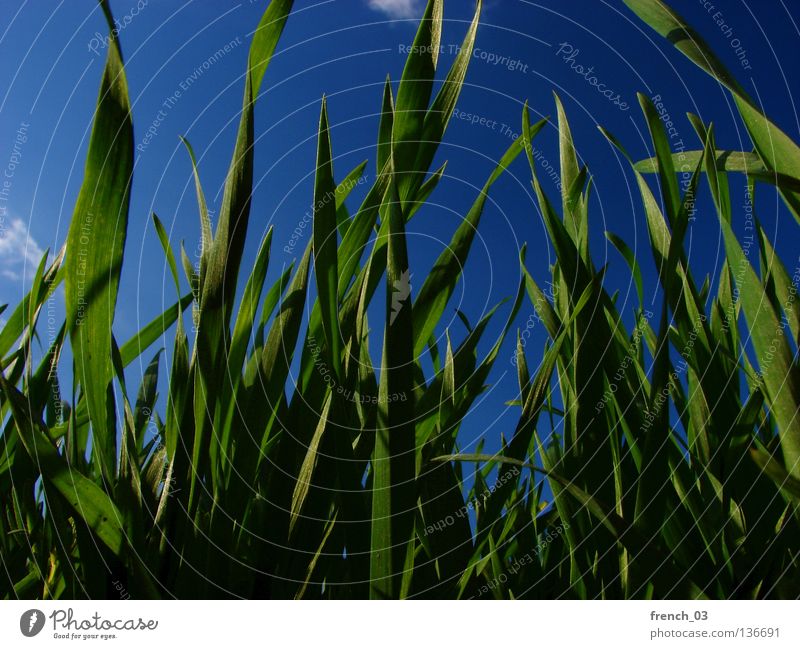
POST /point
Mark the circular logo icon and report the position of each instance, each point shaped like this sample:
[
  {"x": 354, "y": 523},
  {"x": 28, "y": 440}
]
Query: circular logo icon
[{"x": 31, "y": 622}]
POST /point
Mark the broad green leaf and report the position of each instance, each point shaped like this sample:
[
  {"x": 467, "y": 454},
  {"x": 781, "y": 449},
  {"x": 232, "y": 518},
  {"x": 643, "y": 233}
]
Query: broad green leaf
[
  {"x": 413, "y": 96},
  {"x": 95, "y": 248},
  {"x": 780, "y": 375},
  {"x": 773, "y": 468}
]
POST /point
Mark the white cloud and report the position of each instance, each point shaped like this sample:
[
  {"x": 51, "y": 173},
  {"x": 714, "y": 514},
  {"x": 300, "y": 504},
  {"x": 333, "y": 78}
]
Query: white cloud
[
  {"x": 19, "y": 253},
  {"x": 395, "y": 8}
]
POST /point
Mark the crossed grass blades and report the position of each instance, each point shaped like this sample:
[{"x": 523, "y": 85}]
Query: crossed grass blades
[{"x": 672, "y": 449}]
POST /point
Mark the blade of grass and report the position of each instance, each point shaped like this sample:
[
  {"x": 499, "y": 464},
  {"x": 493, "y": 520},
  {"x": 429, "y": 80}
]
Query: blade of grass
[{"x": 95, "y": 247}]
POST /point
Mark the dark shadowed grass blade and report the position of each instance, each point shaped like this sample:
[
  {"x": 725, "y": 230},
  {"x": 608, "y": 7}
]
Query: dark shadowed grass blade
[
  {"x": 393, "y": 485},
  {"x": 787, "y": 484},
  {"x": 646, "y": 551},
  {"x": 85, "y": 497},
  {"x": 313, "y": 564}
]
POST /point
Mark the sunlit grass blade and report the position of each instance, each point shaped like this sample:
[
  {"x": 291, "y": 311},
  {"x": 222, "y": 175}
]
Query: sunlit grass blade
[
  {"x": 413, "y": 96},
  {"x": 774, "y": 147},
  {"x": 95, "y": 248},
  {"x": 441, "y": 281},
  {"x": 326, "y": 245}
]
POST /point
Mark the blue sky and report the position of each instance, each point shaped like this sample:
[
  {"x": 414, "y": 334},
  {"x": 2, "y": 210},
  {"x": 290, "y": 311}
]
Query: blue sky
[{"x": 53, "y": 55}]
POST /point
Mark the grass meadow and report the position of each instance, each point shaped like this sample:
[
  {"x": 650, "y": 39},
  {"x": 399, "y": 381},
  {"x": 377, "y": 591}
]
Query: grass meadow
[{"x": 282, "y": 457}]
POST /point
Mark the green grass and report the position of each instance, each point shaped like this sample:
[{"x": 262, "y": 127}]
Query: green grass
[{"x": 349, "y": 482}]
